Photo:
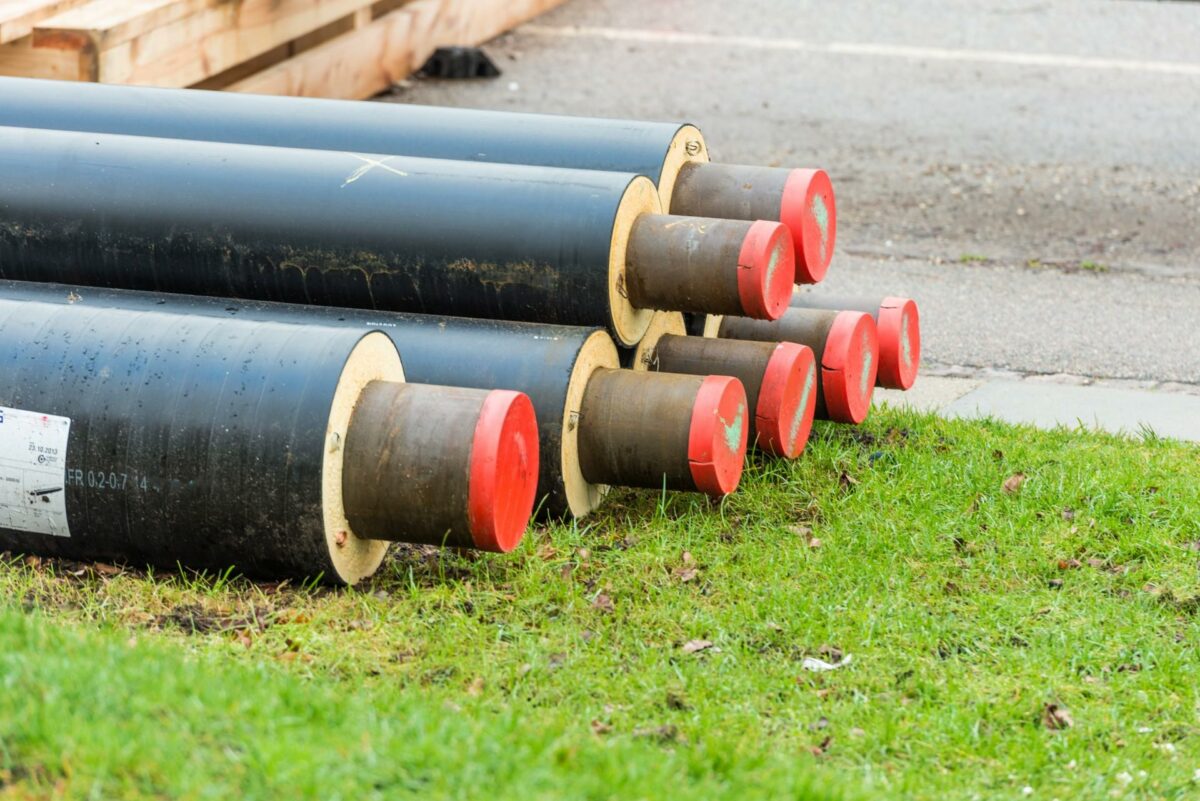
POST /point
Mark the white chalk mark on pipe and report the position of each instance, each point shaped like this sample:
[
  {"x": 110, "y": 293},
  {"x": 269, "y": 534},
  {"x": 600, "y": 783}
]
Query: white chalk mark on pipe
[{"x": 368, "y": 165}]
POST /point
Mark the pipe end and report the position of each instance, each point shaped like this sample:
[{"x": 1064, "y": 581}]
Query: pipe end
[
  {"x": 717, "y": 435},
  {"x": 766, "y": 270},
  {"x": 899, "y": 342},
  {"x": 809, "y": 210},
  {"x": 503, "y": 471},
  {"x": 849, "y": 366},
  {"x": 787, "y": 400}
]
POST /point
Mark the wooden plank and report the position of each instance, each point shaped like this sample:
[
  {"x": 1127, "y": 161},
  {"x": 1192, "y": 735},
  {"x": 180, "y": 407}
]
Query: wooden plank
[
  {"x": 17, "y": 17},
  {"x": 218, "y": 38},
  {"x": 367, "y": 61},
  {"x": 20, "y": 59},
  {"x": 104, "y": 24}
]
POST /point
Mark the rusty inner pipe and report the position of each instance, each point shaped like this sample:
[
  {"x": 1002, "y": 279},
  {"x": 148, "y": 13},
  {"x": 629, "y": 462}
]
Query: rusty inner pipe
[
  {"x": 441, "y": 465},
  {"x": 696, "y": 264},
  {"x": 802, "y": 199},
  {"x": 679, "y": 432}
]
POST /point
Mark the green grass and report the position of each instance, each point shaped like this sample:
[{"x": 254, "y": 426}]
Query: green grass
[{"x": 560, "y": 671}]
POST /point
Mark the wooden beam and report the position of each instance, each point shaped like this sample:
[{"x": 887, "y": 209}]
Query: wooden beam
[
  {"x": 367, "y": 61},
  {"x": 17, "y": 17},
  {"x": 197, "y": 47},
  {"x": 20, "y": 59},
  {"x": 107, "y": 23}
]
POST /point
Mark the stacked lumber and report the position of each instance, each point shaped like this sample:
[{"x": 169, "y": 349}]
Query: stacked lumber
[
  {"x": 296, "y": 330},
  {"x": 319, "y": 48}
]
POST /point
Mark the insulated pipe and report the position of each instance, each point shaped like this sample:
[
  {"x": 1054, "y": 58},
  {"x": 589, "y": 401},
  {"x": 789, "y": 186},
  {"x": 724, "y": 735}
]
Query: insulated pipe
[
  {"x": 849, "y": 354},
  {"x": 496, "y": 241},
  {"x": 899, "y": 324},
  {"x": 802, "y": 199},
  {"x": 282, "y": 450},
  {"x": 780, "y": 378},
  {"x": 553, "y": 365}
]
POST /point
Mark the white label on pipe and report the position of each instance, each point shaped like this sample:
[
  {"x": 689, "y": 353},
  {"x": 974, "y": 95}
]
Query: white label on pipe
[{"x": 33, "y": 471}]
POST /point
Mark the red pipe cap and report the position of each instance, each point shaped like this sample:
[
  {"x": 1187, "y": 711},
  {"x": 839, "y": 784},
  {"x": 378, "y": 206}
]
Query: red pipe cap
[
  {"x": 848, "y": 367},
  {"x": 899, "y": 342},
  {"x": 504, "y": 471},
  {"x": 766, "y": 270},
  {"x": 809, "y": 210},
  {"x": 787, "y": 400},
  {"x": 717, "y": 435}
]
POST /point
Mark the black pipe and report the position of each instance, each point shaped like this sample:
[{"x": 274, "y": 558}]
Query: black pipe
[
  {"x": 165, "y": 438},
  {"x": 505, "y": 137},
  {"x": 321, "y": 227},
  {"x": 553, "y": 365},
  {"x": 674, "y": 155},
  {"x": 898, "y": 321}
]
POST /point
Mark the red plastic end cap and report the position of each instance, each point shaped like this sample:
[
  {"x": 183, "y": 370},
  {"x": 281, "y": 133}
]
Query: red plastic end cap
[
  {"x": 899, "y": 342},
  {"x": 717, "y": 435},
  {"x": 787, "y": 400},
  {"x": 848, "y": 367},
  {"x": 809, "y": 210},
  {"x": 504, "y": 471},
  {"x": 766, "y": 270}
]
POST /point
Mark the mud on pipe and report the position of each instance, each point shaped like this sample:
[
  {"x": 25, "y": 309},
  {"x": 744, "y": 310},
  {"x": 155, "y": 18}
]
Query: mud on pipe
[
  {"x": 553, "y": 365},
  {"x": 495, "y": 241},
  {"x": 280, "y": 450}
]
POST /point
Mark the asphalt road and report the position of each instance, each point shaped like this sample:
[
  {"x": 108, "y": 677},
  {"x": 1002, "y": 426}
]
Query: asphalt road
[{"x": 1029, "y": 171}]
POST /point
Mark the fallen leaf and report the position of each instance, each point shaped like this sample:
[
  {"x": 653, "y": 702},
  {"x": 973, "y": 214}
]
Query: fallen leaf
[
  {"x": 603, "y": 603},
  {"x": 804, "y": 532},
  {"x": 823, "y": 748},
  {"x": 1099, "y": 564},
  {"x": 1069, "y": 564},
  {"x": 1055, "y": 584},
  {"x": 476, "y": 686},
  {"x": 600, "y": 727},
  {"x": 693, "y": 646},
  {"x": 107, "y": 570},
  {"x": 676, "y": 700},
  {"x": 830, "y": 652},
  {"x": 857, "y": 732},
  {"x": 1068, "y": 514},
  {"x": 1056, "y": 717},
  {"x": 1013, "y": 483},
  {"x": 814, "y": 542},
  {"x": 686, "y": 574},
  {"x": 687, "y": 558},
  {"x": 847, "y": 481}
]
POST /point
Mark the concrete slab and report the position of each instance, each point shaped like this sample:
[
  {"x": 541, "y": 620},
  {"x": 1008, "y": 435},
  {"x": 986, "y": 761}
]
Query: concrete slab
[
  {"x": 1046, "y": 405},
  {"x": 929, "y": 394}
]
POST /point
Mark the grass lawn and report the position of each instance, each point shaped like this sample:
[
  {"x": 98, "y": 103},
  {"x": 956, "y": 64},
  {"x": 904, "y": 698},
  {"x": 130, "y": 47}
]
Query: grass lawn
[{"x": 1014, "y": 614}]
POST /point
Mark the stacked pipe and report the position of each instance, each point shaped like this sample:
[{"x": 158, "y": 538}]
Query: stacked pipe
[{"x": 583, "y": 250}]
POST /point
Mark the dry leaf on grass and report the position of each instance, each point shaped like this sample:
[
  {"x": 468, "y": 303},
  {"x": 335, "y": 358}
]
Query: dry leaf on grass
[
  {"x": 1013, "y": 483},
  {"x": 603, "y": 603},
  {"x": 694, "y": 646},
  {"x": 600, "y": 727},
  {"x": 686, "y": 574},
  {"x": 1056, "y": 717}
]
